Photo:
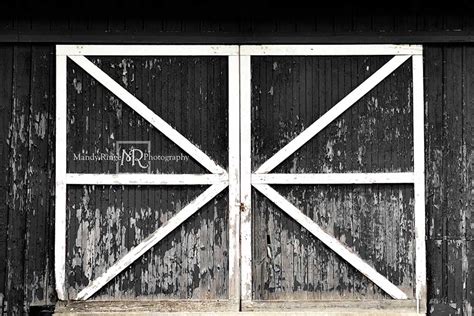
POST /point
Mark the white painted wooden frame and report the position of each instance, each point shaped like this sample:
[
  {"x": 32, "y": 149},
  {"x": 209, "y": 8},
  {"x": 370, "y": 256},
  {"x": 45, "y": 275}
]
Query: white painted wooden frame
[
  {"x": 261, "y": 178},
  {"x": 218, "y": 178}
]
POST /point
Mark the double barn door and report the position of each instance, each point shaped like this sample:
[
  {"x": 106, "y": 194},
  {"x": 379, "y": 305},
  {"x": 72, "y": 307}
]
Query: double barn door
[{"x": 240, "y": 177}]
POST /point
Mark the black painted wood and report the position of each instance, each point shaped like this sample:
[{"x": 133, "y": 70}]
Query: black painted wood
[
  {"x": 27, "y": 100},
  {"x": 324, "y": 26},
  {"x": 6, "y": 69},
  {"x": 375, "y": 135},
  {"x": 104, "y": 223}
]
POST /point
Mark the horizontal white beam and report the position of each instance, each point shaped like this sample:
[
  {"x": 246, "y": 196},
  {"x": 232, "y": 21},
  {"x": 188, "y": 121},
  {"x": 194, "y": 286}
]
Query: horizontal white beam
[
  {"x": 147, "y": 114},
  {"x": 333, "y": 113},
  {"x": 333, "y": 178},
  {"x": 330, "y": 50},
  {"x": 144, "y": 179},
  {"x": 331, "y": 242},
  {"x": 150, "y": 241},
  {"x": 147, "y": 50}
]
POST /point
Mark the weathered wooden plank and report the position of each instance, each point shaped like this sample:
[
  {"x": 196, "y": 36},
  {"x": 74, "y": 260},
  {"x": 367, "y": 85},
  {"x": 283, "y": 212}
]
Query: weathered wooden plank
[
  {"x": 145, "y": 306},
  {"x": 275, "y": 84},
  {"x": 149, "y": 115},
  {"x": 419, "y": 181},
  {"x": 332, "y": 114},
  {"x": 150, "y": 241},
  {"x": 330, "y": 50},
  {"x": 286, "y": 90},
  {"x": 469, "y": 277},
  {"x": 125, "y": 219},
  {"x": 6, "y": 70},
  {"x": 468, "y": 121},
  {"x": 144, "y": 179},
  {"x": 448, "y": 100},
  {"x": 40, "y": 179},
  {"x": 18, "y": 161},
  {"x": 60, "y": 174},
  {"x": 331, "y": 306},
  {"x": 184, "y": 92},
  {"x": 332, "y": 242},
  {"x": 455, "y": 257},
  {"x": 389, "y": 207},
  {"x": 148, "y": 50},
  {"x": 453, "y": 139},
  {"x": 245, "y": 181},
  {"x": 179, "y": 102},
  {"x": 233, "y": 178},
  {"x": 333, "y": 178},
  {"x": 434, "y": 138}
]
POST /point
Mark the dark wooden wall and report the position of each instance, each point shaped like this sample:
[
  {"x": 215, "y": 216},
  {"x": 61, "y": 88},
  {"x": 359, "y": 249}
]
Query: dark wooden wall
[{"x": 27, "y": 132}]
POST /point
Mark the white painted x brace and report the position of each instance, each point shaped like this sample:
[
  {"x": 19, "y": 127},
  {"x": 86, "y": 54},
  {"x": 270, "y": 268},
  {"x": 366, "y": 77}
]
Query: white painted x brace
[
  {"x": 261, "y": 179},
  {"x": 239, "y": 177},
  {"x": 218, "y": 178}
]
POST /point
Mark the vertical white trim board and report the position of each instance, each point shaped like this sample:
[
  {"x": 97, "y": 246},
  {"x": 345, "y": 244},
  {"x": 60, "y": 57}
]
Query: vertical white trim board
[
  {"x": 60, "y": 170},
  {"x": 419, "y": 171},
  {"x": 245, "y": 179},
  {"x": 234, "y": 187}
]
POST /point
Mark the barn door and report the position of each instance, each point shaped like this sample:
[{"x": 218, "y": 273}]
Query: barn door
[
  {"x": 147, "y": 206},
  {"x": 332, "y": 180},
  {"x": 252, "y": 177}
]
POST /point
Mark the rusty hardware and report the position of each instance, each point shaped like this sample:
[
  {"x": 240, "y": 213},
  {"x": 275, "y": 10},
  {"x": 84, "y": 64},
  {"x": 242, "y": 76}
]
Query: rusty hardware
[{"x": 242, "y": 207}]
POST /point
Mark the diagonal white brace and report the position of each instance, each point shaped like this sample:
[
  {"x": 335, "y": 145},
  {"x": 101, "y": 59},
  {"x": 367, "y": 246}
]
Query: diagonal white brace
[
  {"x": 333, "y": 113},
  {"x": 331, "y": 242},
  {"x": 147, "y": 114},
  {"x": 151, "y": 240}
]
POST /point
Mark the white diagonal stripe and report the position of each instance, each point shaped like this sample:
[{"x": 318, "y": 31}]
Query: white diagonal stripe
[
  {"x": 333, "y": 113},
  {"x": 148, "y": 114}
]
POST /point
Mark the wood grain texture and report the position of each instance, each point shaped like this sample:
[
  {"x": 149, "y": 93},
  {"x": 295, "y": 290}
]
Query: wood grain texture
[
  {"x": 450, "y": 247},
  {"x": 104, "y": 223},
  {"x": 321, "y": 26},
  {"x": 191, "y": 262},
  {"x": 6, "y": 69},
  {"x": 183, "y": 91},
  {"x": 39, "y": 204},
  {"x": 375, "y": 135},
  {"x": 449, "y": 98},
  {"x": 18, "y": 161},
  {"x": 290, "y": 93},
  {"x": 371, "y": 222}
]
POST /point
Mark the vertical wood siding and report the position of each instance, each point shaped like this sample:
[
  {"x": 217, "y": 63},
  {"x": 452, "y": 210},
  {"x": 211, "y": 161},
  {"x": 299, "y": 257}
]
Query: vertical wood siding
[
  {"x": 27, "y": 149},
  {"x": 27, "y": 186},
  {"x": 449, "y": 99},
  {"x": 105, "y": 222},
  {"x": 374, "y": 135}
]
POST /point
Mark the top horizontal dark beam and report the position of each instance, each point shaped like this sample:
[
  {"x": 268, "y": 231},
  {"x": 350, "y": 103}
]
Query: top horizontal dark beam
[
  {"x": 236, "y": 38},
  {"x": 308, "y": 26}
]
